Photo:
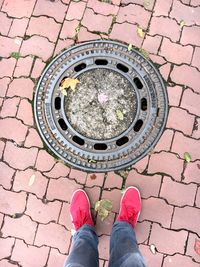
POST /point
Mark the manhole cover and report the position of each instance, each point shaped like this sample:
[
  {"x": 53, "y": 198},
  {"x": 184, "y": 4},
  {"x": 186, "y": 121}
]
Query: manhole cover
[{"x": 113, "y": 118}]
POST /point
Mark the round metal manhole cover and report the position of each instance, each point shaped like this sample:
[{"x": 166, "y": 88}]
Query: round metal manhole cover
[{"x": 114, "y": 116}]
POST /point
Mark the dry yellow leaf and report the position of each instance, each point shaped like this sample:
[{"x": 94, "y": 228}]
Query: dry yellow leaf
[
  {"x": 140, "y": 32},
  {"x": 182, "y": 23},
  {"x": 69, "y": 83}
]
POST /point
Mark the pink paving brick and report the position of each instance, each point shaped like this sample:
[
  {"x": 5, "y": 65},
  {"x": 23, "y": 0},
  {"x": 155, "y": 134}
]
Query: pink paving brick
[
  {"x": 141, "y": 165},
  {"x": 38, "y": 46},
  {"x": 15, "y": 228},
  {"x": 196, "y": 56},
  {"x": 45, "y": 161},
  {"x": 103, "y": 8},
  {"x": 63, "y": 44},
  {"x": 42, "y": 213},
  {"x": 186, "y": 218},
  {"x": 134, "y": 14},
  {"x": 195, "y": 2},
  {"x": 190, "y": 35},
  {"x": 79, "y": 176},
  {"x": 6, "y": 175},
  {"x": 56, "y": 258},
  {"x": 152, "y": 260},
  {"x": 29, "y": 256},
  {"x": 64, "y": 218},
  {"x": 23, "y": 67},
  {"x": 6, "y": 263},
  {"x": 22, "y": 179},
  {"x": 165, "y": 141},
  {"x": 1, "y": 219},
  {"x": 62, "y": 189},
  {"x": 178, "y": 194},
  {"x": 19, "y": 158},
  {"x": 148, "y": 5},
  {"x": 197, "y": 201},
  {"x": 114, "y": 196},
  {"x": 6, "y": 245},
  {"x": 151, "y": 211},
  {"x": 165, "y": 71},
  {"x": 105, "y": 227},
  {"x": 59, "y": 170},
  {"x": 174, "y": 95},
  {"x": 21, "y": 87},
  {"x": 182, "y": 144},
  {"x": 10, "y": 106},
  {"x": 104, "y": 242},
  {"x": 18, "y": 133},
  {"x": 180, "y": 120},
  {"x": 176, "y": 53},
  {"x": 93, "y": 194},
  {"x": 142, "y": 231},
  {"x": 25, "y": 112},
  {"x": 84, "y": 35},
  {"x": 53, "y": 9},
  {"x": 191, "y": 102},
  {"x": 166, "y": 26},
  {"x": 179, "y": 260},
  {"x": 95, "y": 179},
  {"x": 121, "y": 32},
  {"x": 148, "y": 185},
  {"x": 96, "y": 22},
  {"x": 171, "y": 241},
  {"x": 5, "y": 23},
  {"x": 162, "y": 8},
  {"x": 11, "y": 202},
  {"x": 4, "y": 82},
  {"x": 37, "y": 68},
  {"x": 7, "y": 46},
  {"x": 157, "y": 59},
  {"x": 7, "y": 67},
  {"x": 36, "y": 26},
  {"x": 53, "y": 235},
  {"x": 192, "y": 172},
  {"x": 2, "y": 146},
  {"x": 18, "y": 9},
  {"x": 75, "y": 10},
  {"x": 188, "y": 14},
  {"x": 167, "y": 161},
  {"x": 33, "y": 139},
  {"x": 113, "y": 181},
  {"x": 69, "y": 29},
  {"x": 152, "y": 43},
  {"x": 18, "y": 27},
  {"x": 187, "y": 76},
  {"x": 190, "y": 247}
]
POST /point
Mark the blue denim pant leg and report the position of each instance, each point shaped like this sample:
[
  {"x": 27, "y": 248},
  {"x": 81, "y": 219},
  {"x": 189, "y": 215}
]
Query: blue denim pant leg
[
  {"x": 124, "y": 251},
  {"x": 84, "y": 251}
]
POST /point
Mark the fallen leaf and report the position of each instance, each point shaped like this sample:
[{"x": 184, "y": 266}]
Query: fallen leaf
[
  {"x": 92, "y": 161},
  {"x": 197, "y": 246},
  {"x": 93, "y": 176},
  {"x": 140, "y": 31},
  {"x": 130, "y": 47},
  {"x": 153, "y": 249},
  {"x": 198, "y": 166},
  {"x": 17, "y": 215},
  {"x": 182, "y": 23},
  {"x": 63, "y": 91},
  {"x": 144, "y": 53},
  {"x": 187, "y": 157},
  {"x": 31, "y": 180},
  {"x": 146, "y": 3},
  {"x": 103, "y": 208},
  {"x": 120, "y": 115},
  {"x": 69, "y": 83}
]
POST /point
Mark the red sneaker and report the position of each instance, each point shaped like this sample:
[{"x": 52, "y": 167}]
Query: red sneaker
[
  {"x": 80, "y": 209},
  {"x": 130, "y": 206}
]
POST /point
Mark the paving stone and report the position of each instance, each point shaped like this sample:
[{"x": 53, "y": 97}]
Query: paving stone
[
  {"x": 187, "y": 76},
  {"x": 174, "y": 95},
  {"x": 23, "y": 67},
  {"x": 96, "y": 22},
  {"x": 4, "y": 82},
  {"x": 194, "y": 2},
  {"x": 148, "y": 185},
  {"x": 113, "y": 181},
  {"x": 171, "y": 241},
  {"x": 93, "y": 194},
  {"x": 1, "y": 219},
  {"x": 56, "y": 258},
  {"x": 16, "y": 228},
  {"x": 6, "y": 245},
  {"x": 180, "y": 120},
  {"x": 196, "y": 56},
  {"x": 37, "y": 46},
  {"x": 176, "y": 53},
  {"x": 2, "y": 146},
  {"x": 157, "y": 59},
  {"x": 18, "y": 27},
  {"x": 53, "y": 235},
  {"x": 27, "y": 157},
  {"x": 190, "y": 35},
  {"x": 11, "y": 123},
  {"x": 37, "y": 68},
  {"x": 142, "y": 231},
  {"x": 167, "y": 161},
  {"x": 64, "y": 218},
  {"x": 113, "y": 195},
  {"x": 69, "y": 29},
  {"x": 45, "y": 161},
  {"x": 79, "y": 176},
  {"x": 25, "y": 112},
  {"x": 197, "y": 201},
  {"x": 103, "y": 7},
  {"x": 152, "y": 260},
  {"x": 63, "y": 44},
  {"x": 11, "y": 202},
  {"x": 29, "y": 256},
  {"x": 59, "y": 170},
  {"x": 152, "y": 43},
  {"x": 165, "y": 141},
  {"x": 10, "y": 106},
  {"x": 186, "y": 218},
  {"x": 6, "y": 175},
  {"x": 6, "y": 263},
  {"x": 192, "y": 172},
  {"x": 151, "y": 208},
  {"x": 8, "y": 46},
  {"x": 5, "y": 23},
  {"x": 141, "y": 165},
  {"x": 95, "y": 179},
  {"x": 21, "y": 87},
  {"x": 190, "y": 247},
  {"x": 104, "y": 242},
  {"x": 191, "y": 102},
  {"x": 33, "y": 139},
  {"x": 165, "y": 71},
  {"x": 36, "y": 26},
  {"x": 43, "y": 213},
  {"x": 182, "y": 144},
  {"x": 166, "y": 26},
  {"x": 84, "y": 35},
  {"x": 148, "y": 6},
  {"x": 162, "y": 8},
  {"x": 75, "y": 10},
  {"x": 179, "y": 260},
  {"x": 105, "y": 227},
  {"x": 55, "y": 9},
  {"x": 18, "y": 9},
  {"x": 22, "y": 179},
  {"x": 7, "y": 66},
  {"x": 121, "y": 32},
  {"x": 61, "y": 188}
]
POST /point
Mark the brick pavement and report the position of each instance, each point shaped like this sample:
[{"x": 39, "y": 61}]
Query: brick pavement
[{"x": 35, "y": 228}]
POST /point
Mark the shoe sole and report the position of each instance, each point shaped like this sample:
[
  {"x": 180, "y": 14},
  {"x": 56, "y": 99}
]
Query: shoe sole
[{"x": 123, "y": 197}]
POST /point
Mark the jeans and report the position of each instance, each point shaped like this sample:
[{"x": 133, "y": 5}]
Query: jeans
[{"x": 124, "y": 250}]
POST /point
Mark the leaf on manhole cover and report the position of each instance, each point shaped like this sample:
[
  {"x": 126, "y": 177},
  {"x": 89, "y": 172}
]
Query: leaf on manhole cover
[
  {"x": 69, "y": 83},
  {"x": 187, "y": 157},
  {"x": 140, "y": 31},
  {"x": 120, "y": 115},
  {"x": 130, "y": 47},
  {"x": 197, "y": 246},
  {"x": 63, "y": 91},
  {"x": 182, "y": 23},
  {"x": 153, "y": 249},
  {"x": 31, "y": 180},
  {"x": 92, "y": 161},
  {"x": 93, "y": 176},
  {"x": 103, "y": 208}
]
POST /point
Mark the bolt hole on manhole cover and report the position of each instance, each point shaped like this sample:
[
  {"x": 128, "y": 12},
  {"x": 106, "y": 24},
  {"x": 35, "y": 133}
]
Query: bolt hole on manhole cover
[{"x": 114, "y": 116}]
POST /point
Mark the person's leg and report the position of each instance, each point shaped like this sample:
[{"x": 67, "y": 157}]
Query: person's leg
[
  {"x": 124, "y": 251},
  {"x": 84, "y": 252}
]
